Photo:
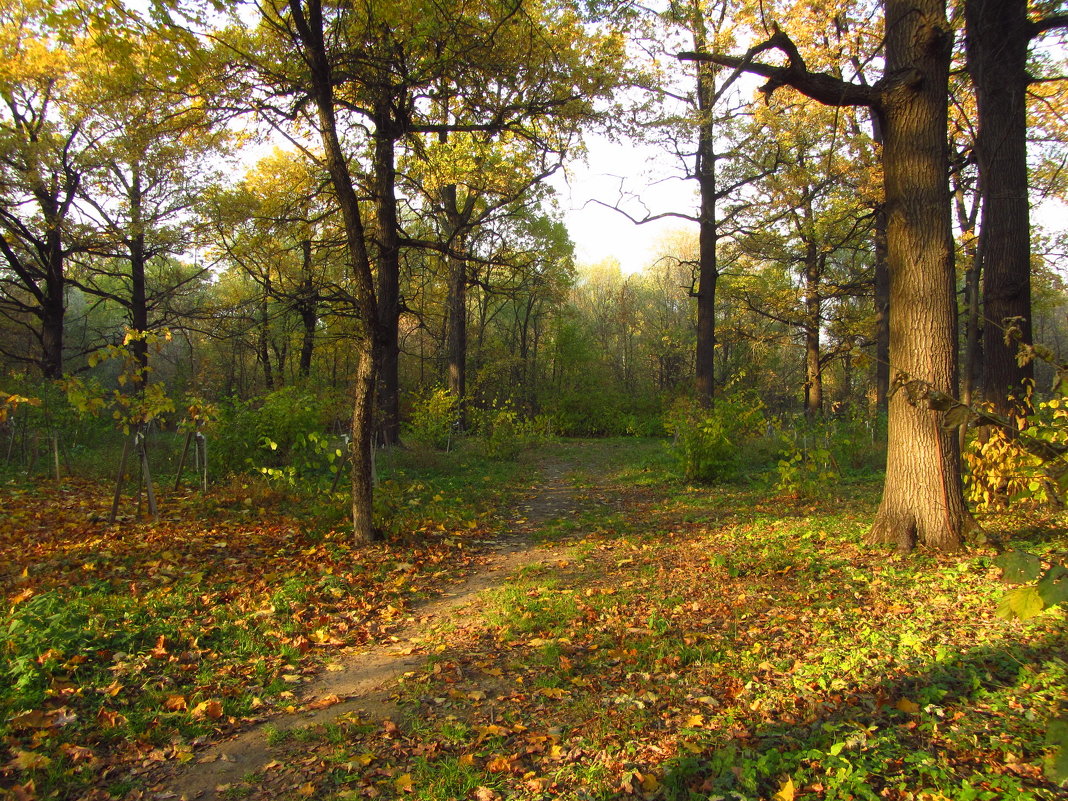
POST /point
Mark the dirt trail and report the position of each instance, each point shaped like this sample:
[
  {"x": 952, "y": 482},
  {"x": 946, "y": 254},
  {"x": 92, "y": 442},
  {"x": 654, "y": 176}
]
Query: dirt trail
[{"x": 364, "y": 679}]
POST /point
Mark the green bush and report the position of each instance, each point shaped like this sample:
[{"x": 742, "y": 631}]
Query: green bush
[
  {"x": 283, "y": 436},
  {"x": 710, "y": 443},
  {"x": 434, "y": 418},
  {"x": 505, "y": 433}
]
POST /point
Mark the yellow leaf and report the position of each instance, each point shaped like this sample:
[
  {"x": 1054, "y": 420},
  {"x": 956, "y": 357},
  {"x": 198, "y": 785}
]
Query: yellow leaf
[
  {"x": 404, "y": 783},
  {"x": 208, "y": 709},
  {"x": 29, "y": 760},
  {"x": 695, "y": 721},
  {"x": 787, "y": 791},
  {"x": 905, "y": 705},
  {"x": 306, "y": 790}
]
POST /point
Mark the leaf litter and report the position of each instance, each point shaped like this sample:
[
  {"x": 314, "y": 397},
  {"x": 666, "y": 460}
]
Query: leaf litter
[{"x": 686, "y": 646}]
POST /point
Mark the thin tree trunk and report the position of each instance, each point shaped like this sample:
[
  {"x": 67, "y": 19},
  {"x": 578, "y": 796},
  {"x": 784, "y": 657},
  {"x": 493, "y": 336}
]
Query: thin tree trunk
[
  {"x": 456, "y": 302},
  {"x": 708, "y": 236},
  {"x": 813, "y": 366},
  {"x": 308, "y": 311},
  {"x": 263, "y": 344},
  {"x": 388, "y": 277},
  {"x": 309, "y": 30}
]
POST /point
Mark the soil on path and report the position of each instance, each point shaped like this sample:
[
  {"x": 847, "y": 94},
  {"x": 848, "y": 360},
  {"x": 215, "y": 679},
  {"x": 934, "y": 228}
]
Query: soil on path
[{"x": 362, "y": 681}]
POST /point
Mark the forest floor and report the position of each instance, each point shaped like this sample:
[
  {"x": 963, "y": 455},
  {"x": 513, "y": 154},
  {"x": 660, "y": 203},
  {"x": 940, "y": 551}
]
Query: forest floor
[{"x": 579, "y": 625}]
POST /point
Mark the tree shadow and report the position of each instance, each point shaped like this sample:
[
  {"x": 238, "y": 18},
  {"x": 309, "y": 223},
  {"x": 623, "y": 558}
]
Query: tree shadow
[{"x": 941, "y": 729}]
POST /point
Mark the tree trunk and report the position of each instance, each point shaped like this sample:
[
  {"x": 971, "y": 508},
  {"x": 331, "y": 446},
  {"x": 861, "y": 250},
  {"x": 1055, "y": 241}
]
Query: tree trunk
[
  {"x": 708, "y": 237},
  {"x": 362, "y": 449},
  {"x": 813, "y": 366},
  {"x": 998, "y": 36},
  {"x": 922, "y": 502},
  {"x": 456, "y": 302},
  {"x": 263, "y": 345},
  {"x": 882, "y": 313},
  {"x": 308, "y": 312},
  {"x": 138, "y": 287},
  {"x": 309, "y": 32},
  {"x": 53, "y": 306},
  {"x": 388, "y": 277}
]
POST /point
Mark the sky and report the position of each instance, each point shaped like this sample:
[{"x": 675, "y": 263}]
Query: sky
[{"x": 600, "y": 233}]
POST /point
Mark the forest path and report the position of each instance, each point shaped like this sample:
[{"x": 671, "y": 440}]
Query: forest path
[{"x": 362, "y": 682}]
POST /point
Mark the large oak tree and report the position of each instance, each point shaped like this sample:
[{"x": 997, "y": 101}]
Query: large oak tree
[{"x": 923, "y": 502}]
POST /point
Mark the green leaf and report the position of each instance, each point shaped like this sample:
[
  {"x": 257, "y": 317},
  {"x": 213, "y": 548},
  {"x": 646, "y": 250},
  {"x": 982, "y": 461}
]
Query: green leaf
[
  {"x": 1022, "y": 603},
  {"x": 1053, "y": 588},
  {"x": 1018, "y": 567},
  {"x": 1057, "y": 762}
]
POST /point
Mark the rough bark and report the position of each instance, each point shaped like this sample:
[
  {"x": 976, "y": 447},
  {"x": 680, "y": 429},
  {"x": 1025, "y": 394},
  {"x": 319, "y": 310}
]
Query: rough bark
[
  {"x": 53, "y": 305},
  {"x": 922, "y": 498},
  {"x": 998, "y": 35},
  {"x": 923, "y": 501},
  {"x": 138, "y": 286}
]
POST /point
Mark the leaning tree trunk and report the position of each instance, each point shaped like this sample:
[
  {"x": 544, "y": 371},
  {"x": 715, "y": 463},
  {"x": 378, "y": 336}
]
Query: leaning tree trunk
[
  {"x": 998, "y": 36},
  {"x": 309, "y": 32},
  {"x": 922, "y": 500}
]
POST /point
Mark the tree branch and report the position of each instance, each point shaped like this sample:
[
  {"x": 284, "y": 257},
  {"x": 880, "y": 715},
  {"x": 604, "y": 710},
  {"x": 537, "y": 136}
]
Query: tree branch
[{"x": 827, "y": 89}]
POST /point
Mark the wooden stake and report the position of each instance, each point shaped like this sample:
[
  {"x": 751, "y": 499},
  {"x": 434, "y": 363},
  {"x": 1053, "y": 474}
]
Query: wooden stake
[
  {"x": 119, "y": 482},
  {"x": 181, "y": 461}
]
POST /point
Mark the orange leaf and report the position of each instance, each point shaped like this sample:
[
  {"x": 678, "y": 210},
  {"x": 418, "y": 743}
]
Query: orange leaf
[
  {"x": 208, "y": 709},
  {"x": 175, "y": 703},
  {"x": 324, "y": 702}
]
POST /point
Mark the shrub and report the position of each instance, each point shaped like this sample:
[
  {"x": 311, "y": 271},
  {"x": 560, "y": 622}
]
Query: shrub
[
  {"x": 284, "y": 436},
  {"x": 434, "y": 418},
  {"x": 505, "y": 433},
  {"x": 710, "y": 442}
]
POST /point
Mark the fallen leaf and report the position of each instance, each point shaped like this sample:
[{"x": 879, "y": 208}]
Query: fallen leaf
[
  {"x": 175, "y": 703},
  {"x": 29, "y": 760},
  {"x": 208, "y": 709},
  {"x": 404, "y": 783},
  {"x": 786, "y": 792},
  {"x": 325, "y": 701},
  {"x": 905, "y": 705}
]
